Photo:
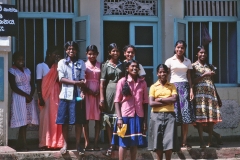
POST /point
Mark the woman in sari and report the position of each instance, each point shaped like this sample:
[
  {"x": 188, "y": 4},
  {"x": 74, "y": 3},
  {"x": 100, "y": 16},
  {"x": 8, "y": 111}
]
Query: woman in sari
[{"x": 48, "y": 88}]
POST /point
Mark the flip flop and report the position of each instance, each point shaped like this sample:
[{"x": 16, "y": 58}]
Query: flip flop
[
  {"x": 187, "y": 146},
  {"x": 63, "y": 150},
  {"x": 80, "y": 151},
  {"x": 109, "y": 152},
  {"x": 88, "y": 148}
]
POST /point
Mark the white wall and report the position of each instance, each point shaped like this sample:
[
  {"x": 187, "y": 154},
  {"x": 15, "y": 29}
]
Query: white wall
[
  {"x": 92, "y": 8},
  {"x": 171, "y": 9}
]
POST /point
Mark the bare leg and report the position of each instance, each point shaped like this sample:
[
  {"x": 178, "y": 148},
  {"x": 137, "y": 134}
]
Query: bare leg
[
  {"x": 109, "y": 132},
  {"x": 133, "y": 152},
  {"x": 200, "y": 132},
  {"x": 22, "y": 142},
  {"x": 184, "y": 133},
  {"x": 210, "y": 129},
  {"x": 122, "y": 153},
  {"x": 78, "y": 133},
  {"x": 215, "y": 134},
  {"x": 168, "y": 154},
  {"x": 159, "y": 154},
  {"x": 65, "y": 135},
  {"x": 86, "y": 133},
  {"x": 24, "y": 135},
  {"x": 97, "y": 132}
]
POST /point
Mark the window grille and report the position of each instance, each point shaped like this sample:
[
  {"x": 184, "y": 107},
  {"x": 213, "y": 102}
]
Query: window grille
[
  {"x": 65, "y": 6},
  {"x": 222, "y": 54},
  {"x": 131, "y": 7},
  {"x": 31, "y": 34},
  {"x": 211, "y": 8}
]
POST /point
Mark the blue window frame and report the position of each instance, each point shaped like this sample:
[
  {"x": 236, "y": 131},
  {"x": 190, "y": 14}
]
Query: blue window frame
[
  {"x": 40, "y": 28},
  {"x": 223, "y": 51}
]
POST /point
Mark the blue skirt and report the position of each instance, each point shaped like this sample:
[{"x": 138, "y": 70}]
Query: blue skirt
[{"x": 133, "y": 135}]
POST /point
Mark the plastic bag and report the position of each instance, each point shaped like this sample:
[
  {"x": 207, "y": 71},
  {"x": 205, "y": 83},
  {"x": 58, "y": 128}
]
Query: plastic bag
[
  {"x": 206, "y": 39},
  {"x": 121, "y": 132}
]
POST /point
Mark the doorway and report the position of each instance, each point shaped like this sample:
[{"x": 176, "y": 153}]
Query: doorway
[{"x": 140, "y": 34}]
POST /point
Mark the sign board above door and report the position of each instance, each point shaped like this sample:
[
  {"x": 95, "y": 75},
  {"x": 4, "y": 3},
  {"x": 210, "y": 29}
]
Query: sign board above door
[{"x": 8, "y": 20}]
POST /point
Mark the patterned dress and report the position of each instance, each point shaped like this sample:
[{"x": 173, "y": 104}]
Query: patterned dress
[
  {"x": 92, "y": 82},
  {"x": 22, "y": 113},
  {"x": 206, "y": 102}
]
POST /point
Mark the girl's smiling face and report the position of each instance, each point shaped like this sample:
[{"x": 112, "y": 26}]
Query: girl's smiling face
[
  {"x": 133, "y": 69},
  {"x": 114, "y": 53},
  {"x": 202, "y": 55},
  {"x": 162, "y": 74},
  {"x": 92, "y": 56},
  {"x": 180, "y": 49},
  {"x": 71, "y": 51},
  {"x": 129, "y": 53}
]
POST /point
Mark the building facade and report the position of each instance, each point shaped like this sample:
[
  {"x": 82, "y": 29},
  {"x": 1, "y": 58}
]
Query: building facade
[{"x": 153, "y": 26}]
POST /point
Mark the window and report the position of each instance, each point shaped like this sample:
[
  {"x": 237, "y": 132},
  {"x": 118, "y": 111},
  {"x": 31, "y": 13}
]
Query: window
[
  {"x": 42, "y": 24},
  {"x": 222, "y": 51},
  {"x": 220, "y": 17}
]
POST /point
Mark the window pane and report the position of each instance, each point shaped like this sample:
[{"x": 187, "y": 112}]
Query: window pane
[
  {"x": 143, "y": 35},
  {"x": 224, "y": 48},
  {"x": 181, "y": 31},
  {"x": 145, "y": 56},
  {"x": 225, "y": 52},
  {"x": 82, "y": 50},
  {"x": 81, "y": 30}
]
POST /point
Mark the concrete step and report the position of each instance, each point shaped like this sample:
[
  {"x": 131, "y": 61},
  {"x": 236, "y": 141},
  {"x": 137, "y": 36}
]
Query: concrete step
[{"x": 230, "y": 150}]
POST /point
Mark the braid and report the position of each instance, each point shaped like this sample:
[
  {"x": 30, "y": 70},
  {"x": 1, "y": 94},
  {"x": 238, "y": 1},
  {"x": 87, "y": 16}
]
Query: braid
[{"x": 126, "y": 91}]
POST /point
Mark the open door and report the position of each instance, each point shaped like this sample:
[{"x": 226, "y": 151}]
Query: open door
[
  {"x": 144, "y": 37},
  {"x": 180, "y": 31},
  {"x": 81, "y": 34}
]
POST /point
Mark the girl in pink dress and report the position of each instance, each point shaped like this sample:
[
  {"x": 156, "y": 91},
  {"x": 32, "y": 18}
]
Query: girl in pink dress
[{"x": 92, "y": 96}]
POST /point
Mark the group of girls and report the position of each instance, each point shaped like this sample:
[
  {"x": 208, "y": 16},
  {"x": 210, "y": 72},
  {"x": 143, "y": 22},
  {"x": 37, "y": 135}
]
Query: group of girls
[
  {"x": 115, "y": 94},
  {"x": 189, "y": 98}
]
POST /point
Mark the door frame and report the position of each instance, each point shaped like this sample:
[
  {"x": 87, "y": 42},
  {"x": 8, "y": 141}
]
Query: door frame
[
  {"x": 155, "y": 42},
  {"x": 138, "y": 19}
]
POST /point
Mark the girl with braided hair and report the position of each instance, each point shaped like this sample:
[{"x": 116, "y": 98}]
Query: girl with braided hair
[{"x": 131, "y": 102}]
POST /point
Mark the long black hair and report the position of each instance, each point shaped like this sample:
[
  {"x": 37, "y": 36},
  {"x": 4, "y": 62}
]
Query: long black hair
[{"x": 126, "y": 91}]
